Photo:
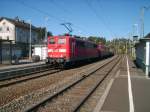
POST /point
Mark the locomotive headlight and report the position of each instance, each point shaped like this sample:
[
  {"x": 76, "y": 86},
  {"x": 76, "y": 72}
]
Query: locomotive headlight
[
  {"x": 62, "y": 50},
  {"x": 50, "y": 50}
]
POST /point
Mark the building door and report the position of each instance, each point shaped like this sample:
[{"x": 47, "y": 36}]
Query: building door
[{"x": 6, "y": 52}]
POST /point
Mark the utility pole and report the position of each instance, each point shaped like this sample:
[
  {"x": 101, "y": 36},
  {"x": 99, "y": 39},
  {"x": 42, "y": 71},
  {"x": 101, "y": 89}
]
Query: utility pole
[
  {"x": 134, "y": 39},
  {"x": 135, "y": 30},
  {"x": 30, "y": 44},
  {"x": 129, "y": 42},
  {"x": 142, "y": 20},
  {"x": 126, "y": 47},
  {"x": 46, "y": 19},
  {"x": 45, "y": 40}
]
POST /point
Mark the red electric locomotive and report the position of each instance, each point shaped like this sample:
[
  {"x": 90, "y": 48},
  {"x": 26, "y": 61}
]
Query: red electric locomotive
[{"x": 69, "y": 49}]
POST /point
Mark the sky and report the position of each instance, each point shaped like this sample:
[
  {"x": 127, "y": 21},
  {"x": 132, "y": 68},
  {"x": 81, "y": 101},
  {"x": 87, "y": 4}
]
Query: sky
[{"x": 104, "y": 18}]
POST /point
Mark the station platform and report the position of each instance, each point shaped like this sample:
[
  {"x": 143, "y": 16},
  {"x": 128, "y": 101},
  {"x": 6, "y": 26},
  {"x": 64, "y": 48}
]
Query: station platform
[
  {"x": 128, "y": 91},
  {"x": 21, "y": 64}
]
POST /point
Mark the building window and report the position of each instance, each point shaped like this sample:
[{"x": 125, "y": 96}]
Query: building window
[
  {"x": 4, "y": 23},
  {"x": 0, "y": 29},
  {"x": 7, "y": 28}
]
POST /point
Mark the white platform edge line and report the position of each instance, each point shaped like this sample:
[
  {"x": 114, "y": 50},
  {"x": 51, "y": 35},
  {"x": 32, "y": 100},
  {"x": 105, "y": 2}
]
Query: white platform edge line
[
  {"x": 104, "y": 96},
  {"x": 131, "y": 104}
]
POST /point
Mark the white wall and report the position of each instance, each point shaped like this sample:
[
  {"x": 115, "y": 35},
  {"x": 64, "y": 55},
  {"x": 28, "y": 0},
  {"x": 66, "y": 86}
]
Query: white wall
[
  {"x": 7, "y": 30},
  {"x": 41, "y": 51}
]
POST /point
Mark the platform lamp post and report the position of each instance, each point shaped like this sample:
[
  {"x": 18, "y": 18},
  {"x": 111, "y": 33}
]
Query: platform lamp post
[{"x": 147, "y": 42}]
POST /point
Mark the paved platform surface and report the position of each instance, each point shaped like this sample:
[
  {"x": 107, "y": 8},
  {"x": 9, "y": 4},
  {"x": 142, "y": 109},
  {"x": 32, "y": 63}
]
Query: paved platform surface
[
  {"x": 119, "y": 98},
  {"x": 20, "y": 65}
]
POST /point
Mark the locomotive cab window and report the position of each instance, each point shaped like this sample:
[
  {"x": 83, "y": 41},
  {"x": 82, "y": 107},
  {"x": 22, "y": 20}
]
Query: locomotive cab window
[
  {"x": 51, "y": 41},
  {"x": 61, "y": 41}
]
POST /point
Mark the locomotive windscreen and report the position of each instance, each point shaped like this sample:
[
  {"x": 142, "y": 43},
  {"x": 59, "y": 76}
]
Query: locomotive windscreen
[
  {"x": 51, "y": 41},
  {"x": 62, "y": 41}
]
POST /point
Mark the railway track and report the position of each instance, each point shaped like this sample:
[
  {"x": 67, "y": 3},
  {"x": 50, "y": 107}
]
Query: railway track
[
  {"x": 12, "y": 77},
  {"x": 17, "y": 67},
  {"x": 71, "y": 97},
  {"x": 16, "y": 80},
  {"x": 19, "y": 75},
  {"x": 21, "y": 72},
  {"x": 8, "y": 95},
  {"x": 32, "y": 95}
]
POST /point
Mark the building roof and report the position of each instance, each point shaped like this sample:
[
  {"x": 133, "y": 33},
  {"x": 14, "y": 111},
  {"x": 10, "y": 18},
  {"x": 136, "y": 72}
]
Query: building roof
[
  {"x": 19, "y": 23},
  {"x": 141, "y": 40},
  {"x": 145, "y": 39},
  {"x": 147, "y": 36}
]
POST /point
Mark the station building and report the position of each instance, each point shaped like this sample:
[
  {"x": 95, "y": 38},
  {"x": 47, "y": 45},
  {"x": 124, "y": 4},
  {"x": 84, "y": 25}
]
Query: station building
[
  {"x": 14, "y": 39},
  {"x": 143, "y": 53}
]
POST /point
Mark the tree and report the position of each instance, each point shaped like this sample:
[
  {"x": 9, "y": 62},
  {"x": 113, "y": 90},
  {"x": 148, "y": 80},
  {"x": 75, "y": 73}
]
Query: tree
[
  {"x": 97, "y": 39},
  {"x": 92, "y": 38},
  {"x": 49, "y": 33},
  {"x": 101, "y": 40},
  {"x": 41, "y": 33},
  {"x": 120, "y": 45}
]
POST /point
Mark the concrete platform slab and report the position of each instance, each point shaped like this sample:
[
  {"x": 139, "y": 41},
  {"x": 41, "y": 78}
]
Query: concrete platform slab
[
  {"x": 141, "y": 94},
  {"x": 118, "y": 99}
]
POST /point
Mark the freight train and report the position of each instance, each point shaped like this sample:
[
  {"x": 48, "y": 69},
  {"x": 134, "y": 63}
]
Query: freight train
[{"x": 68, "y": 49}]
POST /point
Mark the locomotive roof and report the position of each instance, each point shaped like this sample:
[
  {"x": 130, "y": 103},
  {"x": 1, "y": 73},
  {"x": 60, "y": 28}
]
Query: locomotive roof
[{"x": 76, "y": 37}]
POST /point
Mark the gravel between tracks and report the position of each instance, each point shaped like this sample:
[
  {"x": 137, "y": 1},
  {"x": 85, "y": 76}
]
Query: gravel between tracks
[{"x": 22, "y": 94}]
